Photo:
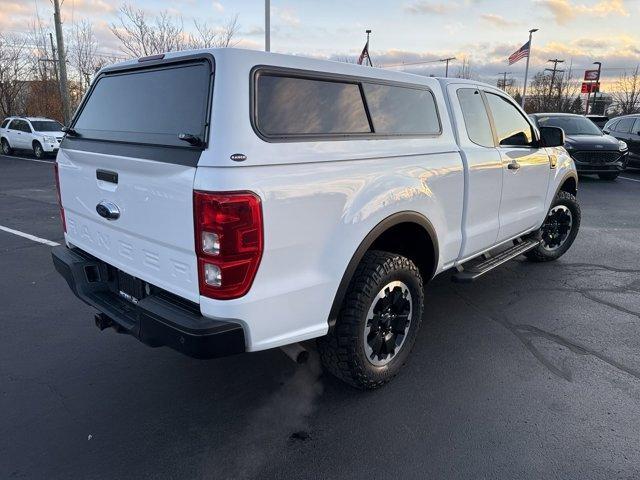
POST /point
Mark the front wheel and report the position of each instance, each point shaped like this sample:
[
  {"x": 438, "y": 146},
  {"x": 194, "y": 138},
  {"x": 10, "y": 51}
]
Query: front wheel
[
  {"x": 38, "y": 151},
  {"x": 609, "y": 176},
  {"x": 6, "y": 148},
  {"x": 378, "y": 321},
  {"x": 559, "y": 229}
]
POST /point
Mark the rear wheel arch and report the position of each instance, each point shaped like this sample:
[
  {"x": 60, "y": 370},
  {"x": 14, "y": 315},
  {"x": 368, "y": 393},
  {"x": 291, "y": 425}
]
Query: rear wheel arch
[{"x": 409, "y": 234}]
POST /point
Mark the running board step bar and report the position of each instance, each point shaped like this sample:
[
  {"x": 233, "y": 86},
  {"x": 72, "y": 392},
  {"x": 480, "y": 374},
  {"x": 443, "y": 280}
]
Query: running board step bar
[{"x": 468, "y": 275}]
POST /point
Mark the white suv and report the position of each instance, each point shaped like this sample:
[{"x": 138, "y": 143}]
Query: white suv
[
  {"x": 225, "y": 201},
  {"x": 38, "y": 134}
]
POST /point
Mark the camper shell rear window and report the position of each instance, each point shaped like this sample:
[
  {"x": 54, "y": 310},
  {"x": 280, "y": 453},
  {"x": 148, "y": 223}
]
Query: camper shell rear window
[
  {"x": 149, "y": 105},
  {"x": 297, "y": 106}
]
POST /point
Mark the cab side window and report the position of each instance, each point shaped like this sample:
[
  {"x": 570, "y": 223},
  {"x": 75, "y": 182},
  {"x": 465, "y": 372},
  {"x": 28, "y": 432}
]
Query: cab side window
[
  {"x": 476, "y": 119},
  {"x": 5, "y": 123},
  {"x": 512, "y": 128}
]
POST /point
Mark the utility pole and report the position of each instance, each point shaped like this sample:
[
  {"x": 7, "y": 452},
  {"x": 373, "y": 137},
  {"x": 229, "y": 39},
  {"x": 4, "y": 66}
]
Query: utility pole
[
  {"x": 553, "y": 71},
  {"x": 526, "y": 70},
  {"x": 447, "y": 60},
  {"x": 267, "y": 25},
  {"x": 503, "y": 83},
  {"x": 55, "y": 63},
  {"x": 62, "y": 66}
]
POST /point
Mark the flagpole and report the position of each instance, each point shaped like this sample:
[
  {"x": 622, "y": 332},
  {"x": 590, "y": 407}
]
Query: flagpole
[
  {"x": 526, "y": 70},
  {"x": 368, "y": 54}
]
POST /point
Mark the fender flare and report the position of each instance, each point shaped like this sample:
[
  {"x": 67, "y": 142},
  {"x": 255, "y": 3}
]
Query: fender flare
[
  {"x": 372, "y": 236},
  {"x": 567, "y": 176}
]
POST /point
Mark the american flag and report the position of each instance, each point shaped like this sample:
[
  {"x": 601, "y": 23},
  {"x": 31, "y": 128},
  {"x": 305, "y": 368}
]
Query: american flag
[
  {"x": 365, "y": 54},
  {"x": 519, "y": 54}
]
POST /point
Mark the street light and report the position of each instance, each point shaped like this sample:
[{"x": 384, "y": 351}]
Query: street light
[
  {"x": 526, "y": 70},
  {"x": 267, "y": 25},
  {"x": 593, "y": 107}
]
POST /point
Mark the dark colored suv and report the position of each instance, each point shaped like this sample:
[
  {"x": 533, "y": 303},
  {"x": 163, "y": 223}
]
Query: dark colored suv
[
  {"x": 592, "y": 150},
  {"x": 627, "y": 129}
]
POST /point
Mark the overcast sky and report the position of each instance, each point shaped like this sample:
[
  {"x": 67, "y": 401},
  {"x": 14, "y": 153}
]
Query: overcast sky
[{"x": 486, "y": 31}]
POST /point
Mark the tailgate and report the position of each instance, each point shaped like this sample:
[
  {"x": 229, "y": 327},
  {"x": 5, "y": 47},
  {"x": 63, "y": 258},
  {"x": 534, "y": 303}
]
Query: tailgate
[{"x": 126, "y": 173}]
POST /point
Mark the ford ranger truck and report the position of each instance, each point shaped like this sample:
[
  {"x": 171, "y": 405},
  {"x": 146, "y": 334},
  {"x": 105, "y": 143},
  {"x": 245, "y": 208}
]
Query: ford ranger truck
[{"x": 224, "y": 201}]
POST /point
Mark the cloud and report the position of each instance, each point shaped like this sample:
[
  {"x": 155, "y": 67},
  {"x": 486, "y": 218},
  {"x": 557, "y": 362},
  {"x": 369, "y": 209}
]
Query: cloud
[
  {"x": 287, "y": 16},
  {"x": 426, "y": 7},
  {"x": 255, "y": 30},
  {"x": 218, "y": 6},
  {"x": 498, "y": 20},
  {"x": 565, "y": 11}
]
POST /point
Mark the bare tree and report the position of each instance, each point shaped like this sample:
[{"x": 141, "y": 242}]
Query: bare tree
[
  {"x": 559, "y": 97},
  {"x": 465, "y": 70},
  {"x": 141, "y": 35},
  {"x": 14, "y": 67},
  {"x": 83, "y": 52},
  {"x": 42, "y": 93},
  {"x": 206, "y": 36},
  {"x": 626, "y": 94}
]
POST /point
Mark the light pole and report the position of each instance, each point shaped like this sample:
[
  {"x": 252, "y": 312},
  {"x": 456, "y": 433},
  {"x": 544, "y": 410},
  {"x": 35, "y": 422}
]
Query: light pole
[
  {"x": 595, "y": 93},
  {"x": 267, "y": 25},
  {"x": 526, "y": 70}
]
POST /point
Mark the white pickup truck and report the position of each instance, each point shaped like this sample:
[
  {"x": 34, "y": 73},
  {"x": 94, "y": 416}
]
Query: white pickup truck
[{"x": 225, "y": 201}]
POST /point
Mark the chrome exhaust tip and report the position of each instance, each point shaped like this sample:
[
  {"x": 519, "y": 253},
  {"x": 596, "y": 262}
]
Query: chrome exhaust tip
[{"x": 296, "y": 352}]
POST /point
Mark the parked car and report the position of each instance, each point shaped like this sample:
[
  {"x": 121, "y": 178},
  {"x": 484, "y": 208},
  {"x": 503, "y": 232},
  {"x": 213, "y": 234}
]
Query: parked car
[
  {"x": 627, "y": 129},
  {"x": 591, "y": 149},
  {"x": 296, "y": 199},
  {"x": 40, "y": 135},
  {"x": 599, "y": 120}
]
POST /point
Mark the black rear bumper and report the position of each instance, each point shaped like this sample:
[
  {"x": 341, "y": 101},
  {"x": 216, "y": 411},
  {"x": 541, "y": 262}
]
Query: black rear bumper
[{"x": 158, "y": 319}]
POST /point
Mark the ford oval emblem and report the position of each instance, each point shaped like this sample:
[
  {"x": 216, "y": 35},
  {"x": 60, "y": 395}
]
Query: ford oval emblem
[
  {"x": 108, "y": 210},
  {"x": 238, "y": 157}
]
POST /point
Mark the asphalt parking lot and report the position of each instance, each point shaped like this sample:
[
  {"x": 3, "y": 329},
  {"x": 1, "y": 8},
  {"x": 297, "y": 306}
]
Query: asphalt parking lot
[{"x": 532, "y": 372}]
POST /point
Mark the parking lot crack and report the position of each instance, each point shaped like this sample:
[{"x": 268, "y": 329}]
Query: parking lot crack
[{"x": 525, "y": 333}]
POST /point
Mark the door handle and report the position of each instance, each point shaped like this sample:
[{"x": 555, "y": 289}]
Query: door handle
[{"x": 513, "y": 165}]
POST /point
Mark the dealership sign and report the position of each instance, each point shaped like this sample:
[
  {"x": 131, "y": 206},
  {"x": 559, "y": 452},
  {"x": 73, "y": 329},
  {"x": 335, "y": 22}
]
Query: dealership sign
[
  {"x": 591, "y": 75},
  {"x": 588, "y": 87}
]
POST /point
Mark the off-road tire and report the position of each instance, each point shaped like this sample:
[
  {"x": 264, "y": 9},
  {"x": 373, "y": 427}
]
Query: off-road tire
[
  {"x": 342, "y": 349},
  {"x": 38, "y": 151},
  {"x": 608, "y": 176},
  {"x": 540, "y": 254},
  {"x": 6, "y": 148}
]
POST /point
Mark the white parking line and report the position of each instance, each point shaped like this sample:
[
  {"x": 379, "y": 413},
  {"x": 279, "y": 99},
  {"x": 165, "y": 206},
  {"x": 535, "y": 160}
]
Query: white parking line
[
  {"x": 30, "y": 159},
  {"x": 29, "y": 236},
  {"x": 630, "y": 179}
]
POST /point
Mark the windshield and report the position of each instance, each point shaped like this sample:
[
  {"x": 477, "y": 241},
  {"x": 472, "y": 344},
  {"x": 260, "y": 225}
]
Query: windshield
[
  {"x": 571, "y": 125},
  {"x": 46, "y": 126}
]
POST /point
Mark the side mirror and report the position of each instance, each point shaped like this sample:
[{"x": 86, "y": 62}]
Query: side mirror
[{"x": 551, "y": 137}]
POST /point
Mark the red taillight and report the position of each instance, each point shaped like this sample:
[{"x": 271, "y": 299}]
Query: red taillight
[
  {"x": 64, "y": 221},
  {"x": 228, "y": 231}
]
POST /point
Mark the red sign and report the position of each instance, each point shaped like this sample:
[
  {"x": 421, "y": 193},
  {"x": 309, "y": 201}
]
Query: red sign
[
  {"x": 590, "y": 87},
  {"x": 591, "y": 75}
]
